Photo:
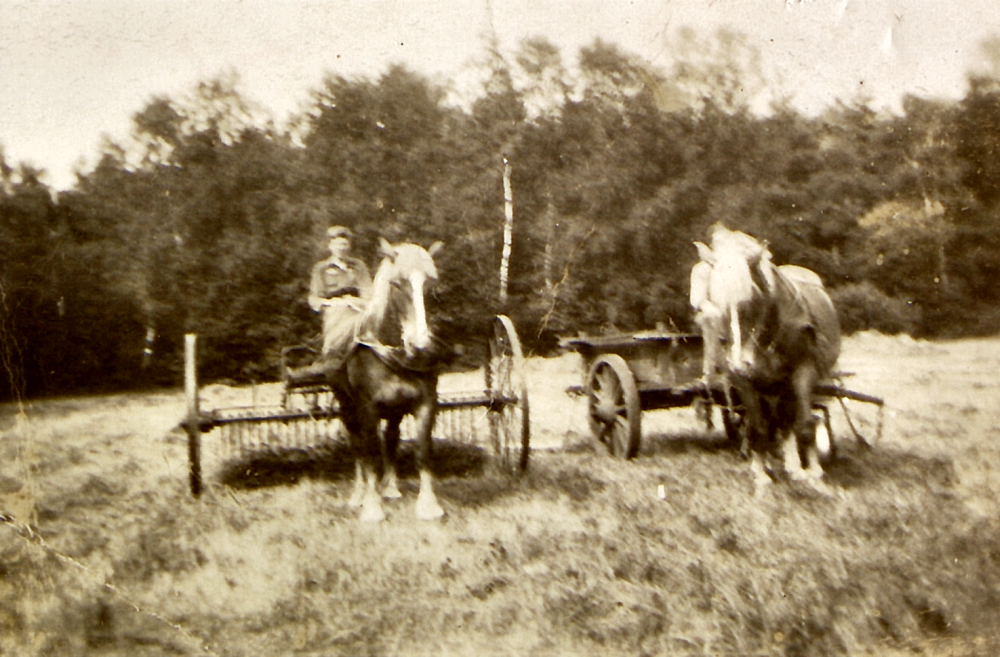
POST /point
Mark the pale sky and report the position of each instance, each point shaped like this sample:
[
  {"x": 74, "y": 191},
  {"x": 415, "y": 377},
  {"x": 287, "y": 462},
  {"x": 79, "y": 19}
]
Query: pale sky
[{"x": 72, "y": 71}]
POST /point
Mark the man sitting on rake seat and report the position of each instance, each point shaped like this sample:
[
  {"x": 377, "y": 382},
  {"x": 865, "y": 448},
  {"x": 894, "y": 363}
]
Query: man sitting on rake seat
[{"x": 339, "y": 288}]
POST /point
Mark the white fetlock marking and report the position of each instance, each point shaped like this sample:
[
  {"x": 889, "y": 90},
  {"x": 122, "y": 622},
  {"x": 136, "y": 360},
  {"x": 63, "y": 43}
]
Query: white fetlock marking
[
  {"x": 814, "y": 469},
  {"x": 427, "y": 504},
  {"x": 358, "y": 494},
  {"x": 371, "y": 507},
  {"x": 822, "y": 440},
  {"x": 792, "y": 462},
  {"x": 372, "y": 512},
  {"x": 390, "y": 489},
  {"x": 761, "y": 482}
]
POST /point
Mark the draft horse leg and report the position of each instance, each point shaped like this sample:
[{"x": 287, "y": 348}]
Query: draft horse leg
[
  {"x": 759, "y": 434},
  {"x": 428, "y": 507},
  {"x": 370, "y": 456},
  {"x": 390, "y": 444},
  {"x": 804, "y": 429},
  {"x": 361, "y": 422},
  {"x": 353, "y": 427}
]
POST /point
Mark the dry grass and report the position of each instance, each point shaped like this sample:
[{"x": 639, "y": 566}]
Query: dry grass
[{"x": 109, "y": 555}]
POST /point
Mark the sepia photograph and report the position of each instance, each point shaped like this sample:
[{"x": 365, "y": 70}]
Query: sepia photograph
[{"x": 498, "y": 327}]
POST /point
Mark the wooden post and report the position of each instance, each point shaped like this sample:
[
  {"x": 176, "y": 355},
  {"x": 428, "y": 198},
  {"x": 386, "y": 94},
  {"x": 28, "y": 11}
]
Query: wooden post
[
  {"x": 508, "y": 229},
  {"x": 191, "y": 422}
]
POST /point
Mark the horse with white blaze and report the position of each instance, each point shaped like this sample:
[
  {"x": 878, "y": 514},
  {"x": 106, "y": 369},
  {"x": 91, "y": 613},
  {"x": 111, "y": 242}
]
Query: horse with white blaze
[
  {"x": 391, "y": 372},
  {"x": 771, "y": 333}
]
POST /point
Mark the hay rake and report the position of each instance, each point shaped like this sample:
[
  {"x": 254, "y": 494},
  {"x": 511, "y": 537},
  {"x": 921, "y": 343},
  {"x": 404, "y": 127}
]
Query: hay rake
[{"x": 308, "y": 416}]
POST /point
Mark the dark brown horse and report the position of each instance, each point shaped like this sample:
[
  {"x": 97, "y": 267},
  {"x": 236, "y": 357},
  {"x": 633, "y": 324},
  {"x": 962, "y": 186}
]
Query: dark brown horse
[
  {"x": 392, "y": 372},
  {"x": 780, "y": 336}
]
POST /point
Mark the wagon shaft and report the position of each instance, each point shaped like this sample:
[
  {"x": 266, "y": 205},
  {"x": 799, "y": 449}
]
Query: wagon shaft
[{"x": 831, "y": 390}]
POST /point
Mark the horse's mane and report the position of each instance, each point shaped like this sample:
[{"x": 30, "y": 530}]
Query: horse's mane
[
  {"x": 743, "y": 278},
  {"x": 374, "y": 316},
  {"x": 386, "y": 308},
  {"x": 733, "y": 257}
]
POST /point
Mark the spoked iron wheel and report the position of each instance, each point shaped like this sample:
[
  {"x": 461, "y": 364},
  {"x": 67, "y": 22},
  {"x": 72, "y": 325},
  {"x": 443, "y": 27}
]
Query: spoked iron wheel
[
  {"x": 507, "y": 387},
  {"x": 614, "y": 411}
]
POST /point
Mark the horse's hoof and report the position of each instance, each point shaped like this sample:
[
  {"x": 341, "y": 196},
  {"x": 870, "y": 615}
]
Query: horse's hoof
[
  {"x": 391, "y": 494},
  {"x": 819, "y": 486},
  {"x": 798, "y": 474},
  {"x": 762, "y": 487},
  {"x": 372, "y": 514},
  {"x": 429, "y": 511}
]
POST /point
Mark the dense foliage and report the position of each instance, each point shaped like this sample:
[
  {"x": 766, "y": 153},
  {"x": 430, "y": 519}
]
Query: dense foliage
[{"x": 209, "y": 219}]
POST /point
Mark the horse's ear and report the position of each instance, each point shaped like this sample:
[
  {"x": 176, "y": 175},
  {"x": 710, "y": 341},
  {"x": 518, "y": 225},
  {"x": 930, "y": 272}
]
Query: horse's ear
[
  {"x": 435, "y": 247},
  {"x": 385, "y": 248},
  {"x": 705, "y": 253}
]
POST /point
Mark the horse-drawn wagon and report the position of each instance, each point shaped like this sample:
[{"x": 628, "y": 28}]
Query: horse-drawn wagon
[{"x": 626, "y": 374}]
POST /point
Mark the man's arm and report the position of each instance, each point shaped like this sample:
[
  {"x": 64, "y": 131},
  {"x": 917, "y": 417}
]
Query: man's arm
[{"x": 316, "y": 291}]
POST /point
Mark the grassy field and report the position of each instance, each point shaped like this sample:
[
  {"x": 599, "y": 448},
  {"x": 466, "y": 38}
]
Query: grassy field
[{"x": 104, "y": 552}]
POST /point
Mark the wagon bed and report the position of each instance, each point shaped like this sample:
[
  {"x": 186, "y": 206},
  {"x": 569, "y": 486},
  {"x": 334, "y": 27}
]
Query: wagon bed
[{"x": 626, "y": 374}]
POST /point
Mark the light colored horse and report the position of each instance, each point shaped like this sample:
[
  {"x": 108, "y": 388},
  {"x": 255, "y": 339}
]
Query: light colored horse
[
  {"x": 780, "y": 335},
  {"x": 392, "y": 372}
]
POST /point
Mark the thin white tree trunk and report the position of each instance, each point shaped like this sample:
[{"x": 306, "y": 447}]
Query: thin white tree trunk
[{"x": 508, "y": 230}]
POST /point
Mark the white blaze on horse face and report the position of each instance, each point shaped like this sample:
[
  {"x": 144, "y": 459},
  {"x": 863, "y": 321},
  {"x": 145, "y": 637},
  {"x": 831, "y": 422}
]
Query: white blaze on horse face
[
  {"x": 731, "y": 289},
  {"x": 416, "y": 333},
  {"x": 736, "y": 348}
]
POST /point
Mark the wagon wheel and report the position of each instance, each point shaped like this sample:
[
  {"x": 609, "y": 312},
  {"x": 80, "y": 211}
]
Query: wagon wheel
[
  {"x": 507, "y": 388},
  {"x": 614, "y": 411}
]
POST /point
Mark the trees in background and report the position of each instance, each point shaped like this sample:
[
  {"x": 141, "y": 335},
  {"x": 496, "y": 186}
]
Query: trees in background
[{"x": 210, "y": 217}]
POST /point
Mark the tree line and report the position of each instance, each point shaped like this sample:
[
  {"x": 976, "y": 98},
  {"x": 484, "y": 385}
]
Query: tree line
[{"x": 209, "y": 217}]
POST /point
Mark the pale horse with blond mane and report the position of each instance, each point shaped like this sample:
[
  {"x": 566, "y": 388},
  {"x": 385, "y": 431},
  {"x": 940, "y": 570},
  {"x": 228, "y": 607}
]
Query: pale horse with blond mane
[
  {"x": 392, "y": 371},
  {"x": 771, "y": 334}
]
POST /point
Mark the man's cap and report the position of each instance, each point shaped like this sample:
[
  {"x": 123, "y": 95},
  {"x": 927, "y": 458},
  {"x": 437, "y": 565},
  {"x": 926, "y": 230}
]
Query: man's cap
[{"x": 338, "y": 231}]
